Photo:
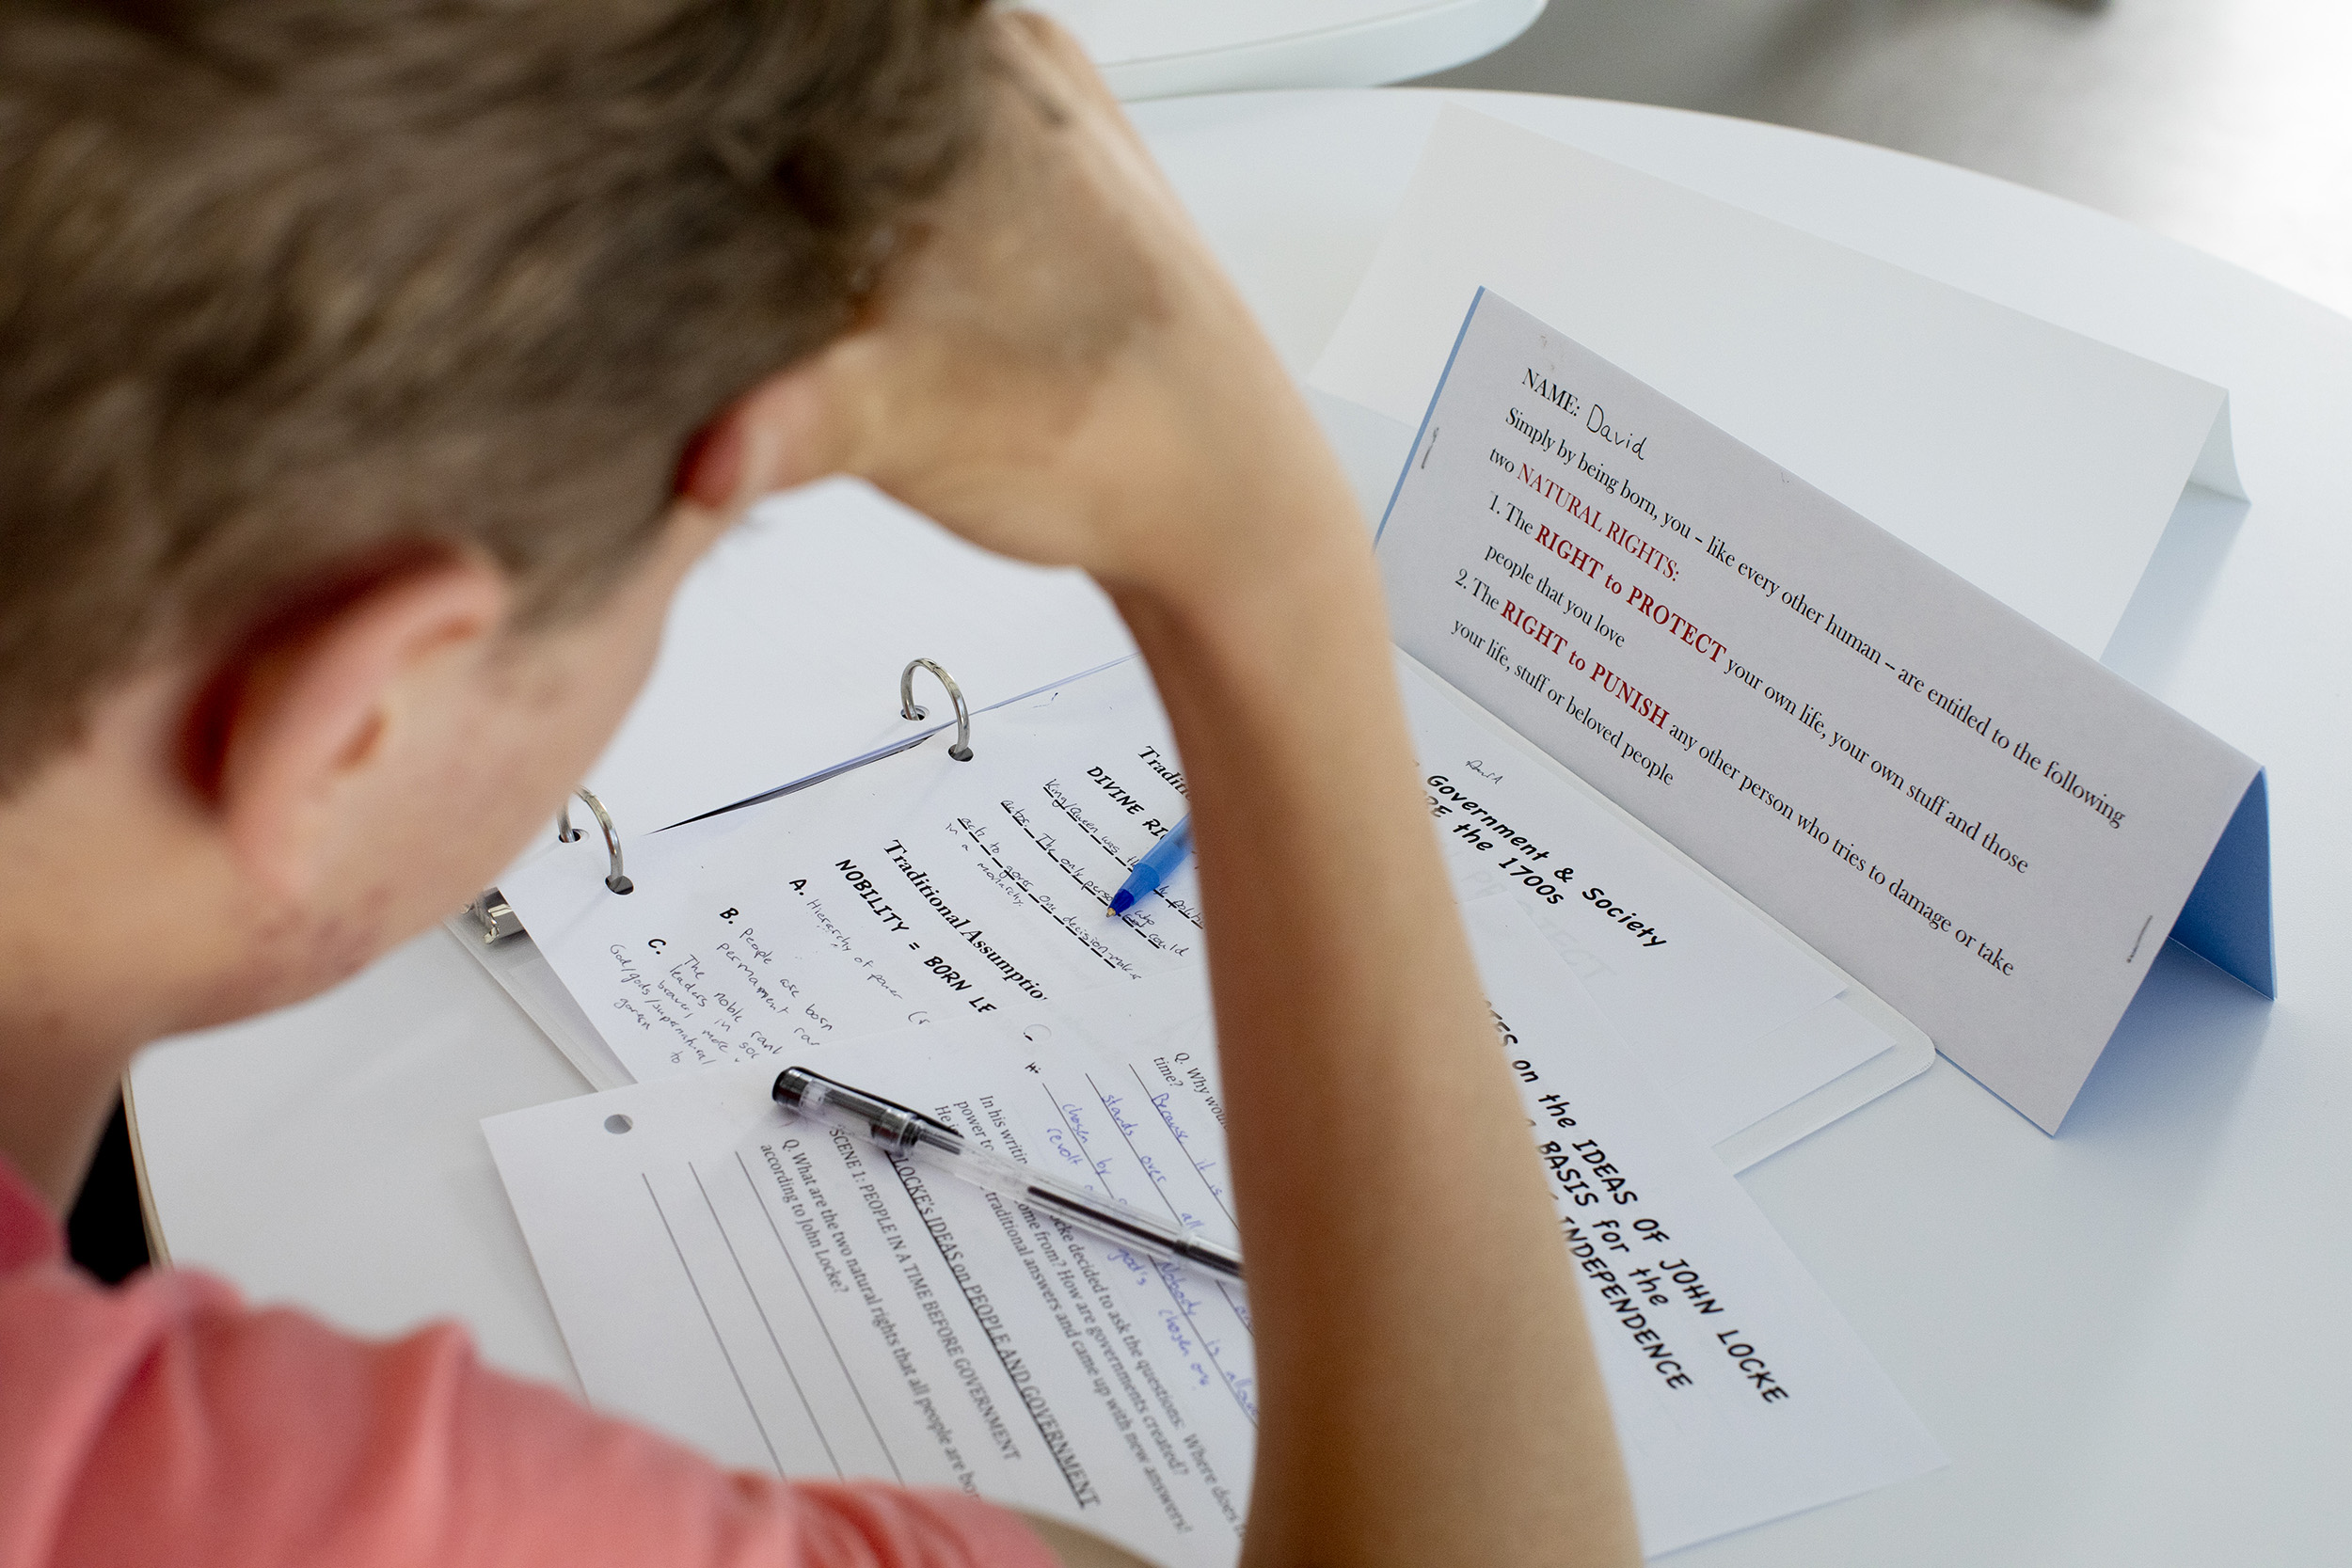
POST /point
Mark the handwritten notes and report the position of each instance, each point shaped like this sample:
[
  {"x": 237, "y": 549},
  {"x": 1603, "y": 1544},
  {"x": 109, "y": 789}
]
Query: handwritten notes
[
  {"x": 912, "y": 891},
  {"x": 785, "y": 1296},
  {"x": 789, "y": 1300},
  {"x": 916, "y": 890},
  {"x": 1714, "y": 1003},
  {"x": 1976, "y": 820}
]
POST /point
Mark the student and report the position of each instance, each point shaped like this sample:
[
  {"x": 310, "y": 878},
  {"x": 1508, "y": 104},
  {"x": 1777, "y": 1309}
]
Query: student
[{"x": 369, "y": 377}]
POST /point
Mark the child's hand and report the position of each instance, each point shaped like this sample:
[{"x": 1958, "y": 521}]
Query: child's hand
[{"x": 1059, "y": 369}]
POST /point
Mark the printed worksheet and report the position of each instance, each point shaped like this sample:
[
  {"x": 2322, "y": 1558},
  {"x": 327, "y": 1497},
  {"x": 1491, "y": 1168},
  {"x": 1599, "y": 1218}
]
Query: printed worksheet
[
  {"x": 911, "y": 890},
  {"x": 919, "y": 889},
  {"x": 1720, "y": 1010},
  {"x": 790, "y": 1300},
  {"x": 1977, "y": 821},
  {"x": 787, "y": 1299}
]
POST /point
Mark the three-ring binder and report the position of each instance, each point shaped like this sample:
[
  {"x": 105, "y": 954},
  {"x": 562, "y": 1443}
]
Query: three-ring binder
[
  {"x": 495, "y": 918},
  {"x": 566, "y": 833},
  {"x": 961, "y": 750}
]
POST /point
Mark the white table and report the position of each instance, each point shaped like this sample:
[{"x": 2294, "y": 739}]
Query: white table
[
  {"x": 1163, "y": 48},
  {"x": 2128, "y": 1336}
]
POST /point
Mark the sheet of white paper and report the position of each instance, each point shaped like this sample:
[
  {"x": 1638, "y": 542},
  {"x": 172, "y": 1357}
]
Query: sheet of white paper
[
  {"x": 782, "y": 649},
  {"x": 917, "y": 888},
  {"x": 1711, "y": 1000},
  {"x": 1974, "y": 820},
  {"x": 1784, "y": 1408},
  {"x": 909, "y": 891},
  {"x": 791, "y": 1302},
  {"x": 2038, "y": 465}
]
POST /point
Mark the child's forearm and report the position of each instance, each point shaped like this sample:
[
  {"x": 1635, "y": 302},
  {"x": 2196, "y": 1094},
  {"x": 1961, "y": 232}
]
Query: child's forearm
[
  {"x": 1428, "y": 1393},
  {"x": 1062, "y": 374}
]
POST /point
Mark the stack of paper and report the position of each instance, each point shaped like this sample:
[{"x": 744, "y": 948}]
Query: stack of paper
[{"x": 790, "y": 1301}]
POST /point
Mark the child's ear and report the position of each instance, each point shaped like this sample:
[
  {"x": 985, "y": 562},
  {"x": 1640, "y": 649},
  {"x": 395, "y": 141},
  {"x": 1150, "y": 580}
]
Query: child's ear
[
  {"x": 786, "y": 431},
  {"x": 711, "y": 470},
  {"x": 301, "y": 726}
]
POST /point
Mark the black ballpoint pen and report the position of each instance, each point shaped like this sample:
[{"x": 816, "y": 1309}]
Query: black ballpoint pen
[{"x": 912, "y": 1134}]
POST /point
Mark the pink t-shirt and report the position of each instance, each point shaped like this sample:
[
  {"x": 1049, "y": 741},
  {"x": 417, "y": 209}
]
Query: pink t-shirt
[{"x": 165, "y": 1422}]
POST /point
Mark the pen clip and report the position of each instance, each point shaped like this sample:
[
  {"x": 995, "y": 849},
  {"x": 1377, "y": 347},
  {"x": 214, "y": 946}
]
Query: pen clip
[{"x": 896, "y": 1127}]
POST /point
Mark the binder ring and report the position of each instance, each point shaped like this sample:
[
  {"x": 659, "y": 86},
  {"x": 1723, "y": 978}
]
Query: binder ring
[
  {"x": 961, "y": 750},
  {"x": 566, "y": 833}
]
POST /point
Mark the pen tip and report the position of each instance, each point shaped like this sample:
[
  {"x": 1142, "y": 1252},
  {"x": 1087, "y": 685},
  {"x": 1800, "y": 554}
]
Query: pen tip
[{"x": 1123, "y": 901}]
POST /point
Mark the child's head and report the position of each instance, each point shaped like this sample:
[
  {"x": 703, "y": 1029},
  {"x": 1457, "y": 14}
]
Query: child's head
[{"x": 350, "y": 359}]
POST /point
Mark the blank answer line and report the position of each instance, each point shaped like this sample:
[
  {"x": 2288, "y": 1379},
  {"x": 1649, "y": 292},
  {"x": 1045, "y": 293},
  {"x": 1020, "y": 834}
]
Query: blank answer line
[
  {"x": 761, "y": 1307},
  {"x": 822, "y": 1327},
  {"x": 720, "y": 1339}
]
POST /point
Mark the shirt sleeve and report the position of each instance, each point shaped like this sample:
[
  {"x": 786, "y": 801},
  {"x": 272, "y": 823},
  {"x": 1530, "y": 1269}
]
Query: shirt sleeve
[{"x": 178, "y": 1427}]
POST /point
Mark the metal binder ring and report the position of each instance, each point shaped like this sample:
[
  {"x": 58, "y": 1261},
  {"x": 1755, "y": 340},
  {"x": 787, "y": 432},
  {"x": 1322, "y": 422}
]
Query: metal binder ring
[
  {"x": 961, "y": 750},
  {"x": 566, "y": 833}
]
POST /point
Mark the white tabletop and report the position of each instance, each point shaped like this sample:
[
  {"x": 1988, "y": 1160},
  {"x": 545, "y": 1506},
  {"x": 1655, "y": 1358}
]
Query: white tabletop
[
  {"x": 2122, "y": 1335},
  {"x": 1162, "y": 48}
]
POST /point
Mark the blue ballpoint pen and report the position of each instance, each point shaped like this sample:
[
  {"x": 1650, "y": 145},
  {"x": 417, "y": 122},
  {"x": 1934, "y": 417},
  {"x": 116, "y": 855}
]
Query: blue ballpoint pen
[{"x": 1153, "y": 867}]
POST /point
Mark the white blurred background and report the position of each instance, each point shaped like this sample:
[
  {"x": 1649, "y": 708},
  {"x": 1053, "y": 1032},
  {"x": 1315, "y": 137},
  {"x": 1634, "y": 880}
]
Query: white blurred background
[{"x": 2223, "y": 123}]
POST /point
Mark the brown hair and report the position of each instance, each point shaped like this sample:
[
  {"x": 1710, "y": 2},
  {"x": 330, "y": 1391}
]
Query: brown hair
[{"x": 287, "y": 284}]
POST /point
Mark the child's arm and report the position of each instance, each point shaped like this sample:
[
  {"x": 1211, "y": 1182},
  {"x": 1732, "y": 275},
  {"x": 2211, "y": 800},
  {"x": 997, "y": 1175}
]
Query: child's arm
[
  {"x": 1061, "y": 373},
  {"x": 1427, "y": 1390}
]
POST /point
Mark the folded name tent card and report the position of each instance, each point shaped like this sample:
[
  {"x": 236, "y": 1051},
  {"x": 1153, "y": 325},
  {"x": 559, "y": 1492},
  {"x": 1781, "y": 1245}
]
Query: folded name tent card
[
  {"x": 1946, "y": 801},
  {"x": 2037, "y": 464}
]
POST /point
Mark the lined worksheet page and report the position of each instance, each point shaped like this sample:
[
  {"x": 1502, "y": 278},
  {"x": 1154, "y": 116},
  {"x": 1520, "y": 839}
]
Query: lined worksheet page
[
  {"x": 787, "y": 1299},
  {"x": 918, "y": 890}
]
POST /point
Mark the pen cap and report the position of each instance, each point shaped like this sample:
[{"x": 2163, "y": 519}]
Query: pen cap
[{"x": 896, "y": 1127}]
